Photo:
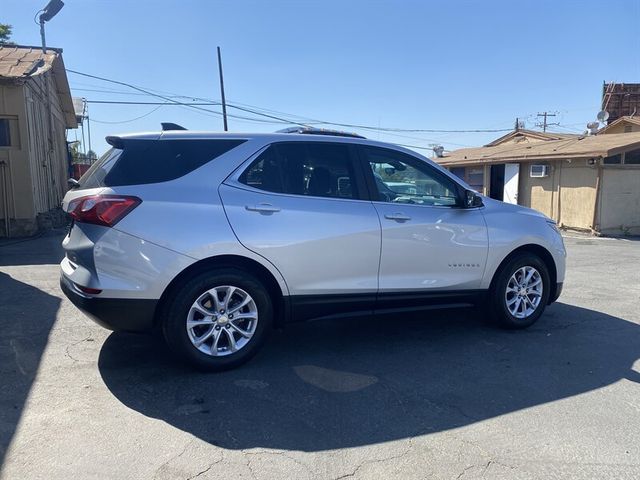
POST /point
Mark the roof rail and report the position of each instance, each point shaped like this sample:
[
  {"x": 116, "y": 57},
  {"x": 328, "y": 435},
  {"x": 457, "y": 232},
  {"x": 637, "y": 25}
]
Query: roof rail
[
  {"x": 319, "y": 131},
  {"x": 171, "y": 126}
]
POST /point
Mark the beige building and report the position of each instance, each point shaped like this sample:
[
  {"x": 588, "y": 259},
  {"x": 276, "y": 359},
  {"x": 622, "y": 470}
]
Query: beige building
[
  {"x": 628, "y": 124},
  {"x": 35, "y": 112},
  {"x": 583, "y": 182}
]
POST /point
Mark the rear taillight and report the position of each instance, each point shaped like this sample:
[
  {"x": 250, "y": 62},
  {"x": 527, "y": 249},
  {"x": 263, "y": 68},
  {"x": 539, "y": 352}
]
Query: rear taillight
[{"x": 104, "y": 210}]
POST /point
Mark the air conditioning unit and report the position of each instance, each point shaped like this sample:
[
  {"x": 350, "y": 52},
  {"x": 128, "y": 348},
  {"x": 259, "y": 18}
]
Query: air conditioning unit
[{"x": 539, "y": 171}]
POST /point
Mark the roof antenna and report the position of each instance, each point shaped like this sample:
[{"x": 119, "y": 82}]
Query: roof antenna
[{"x": 171, "y": 126}]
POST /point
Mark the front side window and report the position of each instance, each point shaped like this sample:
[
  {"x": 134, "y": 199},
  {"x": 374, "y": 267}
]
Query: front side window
[
  {"x": 400, "y": 178},
  {"x": 301, "y": 168}
]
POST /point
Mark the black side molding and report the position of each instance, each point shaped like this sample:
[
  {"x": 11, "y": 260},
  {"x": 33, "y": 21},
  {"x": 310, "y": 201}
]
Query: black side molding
[{"x": 316, "y": 307}]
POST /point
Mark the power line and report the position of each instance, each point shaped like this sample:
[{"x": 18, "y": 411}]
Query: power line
[
  {"x": 274, "y": 116},
  {"x": 289, "y": 120},
  {"x": 161, "y": 104},
  {"x": 123, "y": 102},
  {"x": 169, "y": 99},
  {"x": 309, "y": 121},
  {"x": 132, "y": 119},
  {"x": 182, "y": 104}
]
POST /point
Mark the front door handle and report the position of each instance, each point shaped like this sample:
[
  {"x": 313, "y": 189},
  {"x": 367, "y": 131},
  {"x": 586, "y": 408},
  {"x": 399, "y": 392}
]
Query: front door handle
[
  {"x": 398, "y": 217},
  {"x": 262, "y": 208}
]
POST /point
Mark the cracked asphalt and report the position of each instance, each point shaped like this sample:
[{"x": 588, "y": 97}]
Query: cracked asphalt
[{"x": 436, "y": 395}]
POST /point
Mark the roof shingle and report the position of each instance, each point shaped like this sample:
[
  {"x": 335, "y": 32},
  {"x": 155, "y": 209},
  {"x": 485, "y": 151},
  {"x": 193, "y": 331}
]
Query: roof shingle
[
  {"x": 577, "y": 147},
  {"x": 18, "y": 61}
]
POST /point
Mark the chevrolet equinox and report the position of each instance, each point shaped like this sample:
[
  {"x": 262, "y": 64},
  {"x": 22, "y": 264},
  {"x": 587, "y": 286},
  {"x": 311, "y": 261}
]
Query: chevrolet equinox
[{"x": 213, "y": 239}]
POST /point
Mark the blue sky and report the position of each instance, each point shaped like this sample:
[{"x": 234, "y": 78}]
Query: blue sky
[{"x": 405, "y": 64}]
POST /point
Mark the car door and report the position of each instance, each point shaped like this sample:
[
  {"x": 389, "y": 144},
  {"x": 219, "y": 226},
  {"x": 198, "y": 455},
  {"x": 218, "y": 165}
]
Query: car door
[
  {"x": 429, "y": 243},
  {"x": 303, "y": 206}
]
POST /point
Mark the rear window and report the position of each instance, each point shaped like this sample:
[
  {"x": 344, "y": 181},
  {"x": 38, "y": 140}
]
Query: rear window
[{"x": 149, "y": 161}]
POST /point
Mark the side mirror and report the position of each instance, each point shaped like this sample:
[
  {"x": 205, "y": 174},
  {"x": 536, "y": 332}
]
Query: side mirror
[
  {"x": 472, "y": 199},
  {"x": 73, "y": 183}
]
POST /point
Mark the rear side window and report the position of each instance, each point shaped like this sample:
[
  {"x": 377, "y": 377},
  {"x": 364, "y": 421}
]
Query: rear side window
[
  {"x": 299, "y": 168},
  {"x": 94, "y": 177},
  {"x": 148, "y": 161}
]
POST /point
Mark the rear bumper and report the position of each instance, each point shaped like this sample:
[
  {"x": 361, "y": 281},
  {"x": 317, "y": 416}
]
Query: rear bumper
[{"x": 129, "y": 315}]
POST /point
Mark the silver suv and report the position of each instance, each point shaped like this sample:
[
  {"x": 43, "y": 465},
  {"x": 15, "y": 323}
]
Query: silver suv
[{"x": 214, "y": 239}]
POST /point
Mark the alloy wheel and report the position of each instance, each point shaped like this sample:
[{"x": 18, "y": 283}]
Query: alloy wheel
[
  {"x": 222, "y": 320},
  {"x": 524, "y": 292}
]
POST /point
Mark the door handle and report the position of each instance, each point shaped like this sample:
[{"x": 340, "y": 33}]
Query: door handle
[
  {"x": 262, "y": 208},
  {"x": 398, "y": 217}
]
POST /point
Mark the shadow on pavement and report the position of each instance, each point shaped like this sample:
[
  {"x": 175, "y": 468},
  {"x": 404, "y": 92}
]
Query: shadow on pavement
[
  {"x": 27, "y": 315},
  {"x": 48, "y": 250},
  {"x": 330, "y": 385}
]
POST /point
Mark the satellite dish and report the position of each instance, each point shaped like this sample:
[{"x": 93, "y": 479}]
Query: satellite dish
[
  {"x": 439, "y": 151},
  {"x": 603, "y": 116},
  {"x": 593, "y": 127}
]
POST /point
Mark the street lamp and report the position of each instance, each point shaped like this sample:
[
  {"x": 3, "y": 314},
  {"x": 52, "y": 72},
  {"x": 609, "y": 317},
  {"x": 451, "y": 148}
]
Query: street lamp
[{"x": 48, "y": 12}]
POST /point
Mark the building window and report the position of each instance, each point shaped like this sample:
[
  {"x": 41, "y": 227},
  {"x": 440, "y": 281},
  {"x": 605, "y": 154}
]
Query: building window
[
  {"x": 5, "y": 133},
  {"x": 632, "y": 157},
  {"x": 613, "y": 159},
  {"x": 628, "y": 129},
  {"x": 474, "y": 176}
]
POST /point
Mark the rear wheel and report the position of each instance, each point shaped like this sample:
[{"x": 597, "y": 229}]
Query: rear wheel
[
  {"x": 218, "y": 320},
  {"x": 520, "y": 291}
]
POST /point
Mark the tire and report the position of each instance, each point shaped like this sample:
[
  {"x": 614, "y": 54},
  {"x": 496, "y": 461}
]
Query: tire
[
  {"x": 185, "y": 327},
  {"x": 514, "y": 309}
]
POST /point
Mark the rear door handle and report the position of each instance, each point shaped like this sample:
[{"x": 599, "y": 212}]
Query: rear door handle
[
  {"x": 398, "y": 217},
  {"x": 262, "y": 208}
]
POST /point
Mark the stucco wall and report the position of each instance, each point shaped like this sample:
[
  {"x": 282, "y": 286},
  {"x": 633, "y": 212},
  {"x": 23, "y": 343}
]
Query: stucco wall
[
  {"x": 16, "y": 196},
  {"x": 577, "y": 194},
  {"x": 619, "y": 205},
  {"x": 538, "y": 193},
  {"x": 49, "y": 163},
  {"x": 620, "y": 128},
  {"x": 32, "y": 173},
  {"x": 567, "y": 195}
]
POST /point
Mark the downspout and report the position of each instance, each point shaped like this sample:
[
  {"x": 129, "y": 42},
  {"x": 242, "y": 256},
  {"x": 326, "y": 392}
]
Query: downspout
[
  {"x": 5, "y": 198},
  {"x": 559, "y": 199},
  {"x": 595, "y": 228},
  {"x": 50, "y": 151}
]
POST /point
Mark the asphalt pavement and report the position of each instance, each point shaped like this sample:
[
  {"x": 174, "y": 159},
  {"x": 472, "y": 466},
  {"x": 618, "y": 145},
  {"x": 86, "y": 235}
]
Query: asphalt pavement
[{"x": 438, "y": 395}]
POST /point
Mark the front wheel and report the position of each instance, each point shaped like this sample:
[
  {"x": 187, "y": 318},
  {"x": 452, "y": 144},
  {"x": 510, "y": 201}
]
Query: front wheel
[
  {"x": 218, "y": 319},
  {"x": 520, "y": 292}
]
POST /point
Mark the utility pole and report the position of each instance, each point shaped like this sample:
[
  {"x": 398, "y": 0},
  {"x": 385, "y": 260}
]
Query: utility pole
[
  {"x": 46, "y": 14},
  {"x": 224, "y": 102},
  {"x": 544, "y": 123}
]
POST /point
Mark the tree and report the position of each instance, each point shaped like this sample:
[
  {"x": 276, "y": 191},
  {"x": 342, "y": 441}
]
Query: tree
[{"x": 5, "y": 34}]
